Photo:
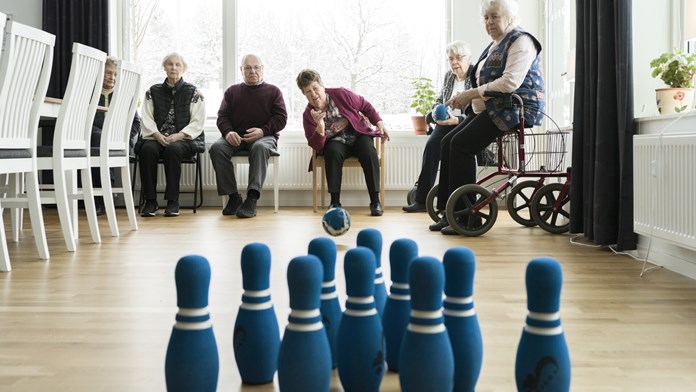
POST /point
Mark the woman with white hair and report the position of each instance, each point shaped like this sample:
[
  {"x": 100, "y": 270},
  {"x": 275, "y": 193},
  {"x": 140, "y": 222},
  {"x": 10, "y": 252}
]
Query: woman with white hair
[
  {"x": 510, "y": 64},
  {"x": 456, "y": 81},
  {"x": 173, "y": 119}
]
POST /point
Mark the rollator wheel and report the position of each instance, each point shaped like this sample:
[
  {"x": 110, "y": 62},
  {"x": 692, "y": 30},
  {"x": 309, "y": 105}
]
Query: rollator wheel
[
  {"x": 431, "y": 204},
  {"x": 411, "y": 196},
  {"x": 519, "y": 202},
  {"x": 460, "y": 205},
  {"x": 554, "y": 221}
]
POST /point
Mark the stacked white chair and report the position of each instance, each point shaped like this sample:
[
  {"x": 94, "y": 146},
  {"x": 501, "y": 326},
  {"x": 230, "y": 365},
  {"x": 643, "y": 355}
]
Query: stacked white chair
[
  {"x": 70, "y": 152},
  {"x": 25, "y": 69},
  {"x": 113, "y": 151}
]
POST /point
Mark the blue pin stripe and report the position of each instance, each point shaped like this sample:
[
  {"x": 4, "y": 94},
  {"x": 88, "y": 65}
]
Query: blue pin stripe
[
  {"x": 359, "y": 306},
  {"x": 304, "y": 320},
  {"x": 193, "y": 319},
  {"x": 255, "y": 300},
  {"x": 543, "y": 323},
  {"x": 454, "y": 306},
  {"x": 427, "y": 321},
  {"x": 327, "y": 290}
]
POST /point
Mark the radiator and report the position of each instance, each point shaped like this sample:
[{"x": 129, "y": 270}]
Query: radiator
[
  {"x": 664, "y": 185},
  {"x": 402, "y": 167}
]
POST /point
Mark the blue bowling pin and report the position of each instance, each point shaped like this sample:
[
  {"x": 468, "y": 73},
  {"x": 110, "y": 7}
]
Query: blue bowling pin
[
  {"x": 325, "y": 249},
  {"x": 360, "y": 341},
  {"x": 543, "y": 362},
  {"x": 256, "y": 338},
  {"x": 372, "y": 238},
  {"x": 192, "y": 362},
  {"x": 460, "y": 317},
  {"x": 397, "y": 310},
  {"x": 426, "y": 362},
  {"x": 304, "y": 360}
]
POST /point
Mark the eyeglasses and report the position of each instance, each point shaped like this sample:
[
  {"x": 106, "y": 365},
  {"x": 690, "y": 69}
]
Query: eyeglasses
[
  {"x": 457, "y": 58},
  {"x": 249, "y": 68}
]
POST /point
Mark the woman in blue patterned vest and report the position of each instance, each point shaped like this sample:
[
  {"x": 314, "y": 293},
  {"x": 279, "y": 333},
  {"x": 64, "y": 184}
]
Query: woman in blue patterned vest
[{"x": 510, "y": 64}]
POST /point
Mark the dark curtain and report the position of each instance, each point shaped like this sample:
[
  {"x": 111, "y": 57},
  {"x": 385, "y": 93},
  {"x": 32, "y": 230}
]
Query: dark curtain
[
  {"x": 83, "y": 21},
  {"x": 603, "y": 125}
]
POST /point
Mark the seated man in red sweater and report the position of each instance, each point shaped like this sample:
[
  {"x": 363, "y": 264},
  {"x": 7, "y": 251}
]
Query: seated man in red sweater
[{"x": 251, "y": 115}]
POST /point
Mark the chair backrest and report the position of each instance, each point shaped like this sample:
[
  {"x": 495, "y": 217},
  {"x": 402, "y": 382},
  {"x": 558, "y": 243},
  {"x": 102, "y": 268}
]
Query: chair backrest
[
  {"x": 76, "y": 115},
  {"x": 25, "y": 70},
  {"x": 3, "y": 21},
  {"x": 124, "y": 101}
]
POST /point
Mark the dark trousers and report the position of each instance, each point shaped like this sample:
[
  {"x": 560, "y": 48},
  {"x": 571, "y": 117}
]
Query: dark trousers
[
  {"x": 172, "y": 155},
  {"x": 336, "y": 152},
  {"x": 94, "y": 142},
  {"x": 431, "y": 161},
  {"x": 459, "y": 149}
]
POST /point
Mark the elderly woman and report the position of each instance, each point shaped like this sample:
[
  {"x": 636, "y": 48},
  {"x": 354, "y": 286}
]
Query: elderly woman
[
  {"x": 173, "y": 118},
  {"x": 336, "y": 125},
  {"x": 510, "y": 64},
  {"x": 104, "y": 100},
  {"x": 456, "y": 81}
]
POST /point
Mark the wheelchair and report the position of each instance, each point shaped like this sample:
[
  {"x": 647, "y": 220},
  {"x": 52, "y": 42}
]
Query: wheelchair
[{"x": 472, "y": 209}]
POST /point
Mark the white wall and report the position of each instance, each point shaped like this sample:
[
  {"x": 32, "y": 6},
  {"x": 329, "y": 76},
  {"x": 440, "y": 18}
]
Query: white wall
[{"x": 28, "y": 12}]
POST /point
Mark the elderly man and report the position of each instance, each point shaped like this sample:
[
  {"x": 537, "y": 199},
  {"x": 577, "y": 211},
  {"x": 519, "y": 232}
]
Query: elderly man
[{"x": 251, "y": 115}]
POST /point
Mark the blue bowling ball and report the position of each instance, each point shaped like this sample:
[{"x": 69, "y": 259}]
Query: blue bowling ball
[
  {"x": 441, "y": 113},
  {"x": 336, "y": 221}
]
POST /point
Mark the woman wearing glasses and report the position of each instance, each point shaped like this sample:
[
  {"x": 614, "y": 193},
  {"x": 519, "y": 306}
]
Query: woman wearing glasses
[{"x": 456, "y": 81}]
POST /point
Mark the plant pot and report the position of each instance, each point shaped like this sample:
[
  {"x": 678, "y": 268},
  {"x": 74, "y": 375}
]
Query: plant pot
[
  {"x": 419, "y": 125},
  {"x": 674, "y": 100}
]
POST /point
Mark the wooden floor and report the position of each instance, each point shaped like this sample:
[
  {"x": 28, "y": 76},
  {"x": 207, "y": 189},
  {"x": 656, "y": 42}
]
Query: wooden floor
[{"x": 99, "y": 319}]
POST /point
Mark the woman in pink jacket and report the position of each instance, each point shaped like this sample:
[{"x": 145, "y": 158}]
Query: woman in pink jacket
[{"x": 336, "y": 126}]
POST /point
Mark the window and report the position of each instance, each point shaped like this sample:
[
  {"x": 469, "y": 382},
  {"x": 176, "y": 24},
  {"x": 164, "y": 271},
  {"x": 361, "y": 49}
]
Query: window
[
  {"x": 374, "y": 48},
  {"x": 560, "y": 61}
]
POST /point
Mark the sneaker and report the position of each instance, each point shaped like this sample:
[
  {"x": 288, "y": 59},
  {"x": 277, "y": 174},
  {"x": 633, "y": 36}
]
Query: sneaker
[
  {"x": 376, "y": 209},
  {"x": 449, "y": 230},
  {"x": 248, "y": 209},
  {"x": 439, "y": 225},
  {"x": 149, "y": 209},
  {"x": 415, "y": 207},
  {"x": 172, "y": 208},
  {"x": 233, "y": 204}
]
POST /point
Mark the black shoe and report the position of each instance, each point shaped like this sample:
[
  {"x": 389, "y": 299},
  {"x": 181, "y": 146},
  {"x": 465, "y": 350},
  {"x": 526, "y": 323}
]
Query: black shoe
[
  {"x": 376, "y": 209},
  {"x": 99, "y": 206},
  {"x": 172, "y": 208},
  {"x": 232, "y": 204},
  {"x": 415, "y": 207},
  {"x": 248, "y": 209},
  {"x": 149, "y": 209},
  {"x": 441, "y": 224},
  {"x": 449, "y": 230},
  {"x": 335, "y": 205}
]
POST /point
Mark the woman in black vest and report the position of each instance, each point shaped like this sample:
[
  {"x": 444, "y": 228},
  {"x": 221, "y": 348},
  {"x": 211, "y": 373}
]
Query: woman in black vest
[{"x": 173, "y": 119}]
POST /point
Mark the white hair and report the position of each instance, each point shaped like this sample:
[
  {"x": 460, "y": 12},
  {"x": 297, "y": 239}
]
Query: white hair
[
  {"x": 241, "y": 63},
  {"x": 174, "y": 55},
  {"x": 508, "y": 8},
  {"x": 458, "y": 47}
]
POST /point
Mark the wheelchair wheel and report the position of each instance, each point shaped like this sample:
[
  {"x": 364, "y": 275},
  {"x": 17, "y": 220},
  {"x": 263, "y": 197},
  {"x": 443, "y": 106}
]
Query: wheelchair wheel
[
  {"x": 459, "y": 206},
  {"x": 553, "y": 220},
  {"x": 431, "y": 204},
  {"x": 519, "y": 202},
  {"x": 411, "y": 195}
]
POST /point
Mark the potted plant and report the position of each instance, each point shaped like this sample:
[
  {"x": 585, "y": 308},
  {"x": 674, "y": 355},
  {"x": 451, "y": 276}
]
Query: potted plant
[
  {"x": 422, "y": 101},
  {"x": 677, "y": 70}
]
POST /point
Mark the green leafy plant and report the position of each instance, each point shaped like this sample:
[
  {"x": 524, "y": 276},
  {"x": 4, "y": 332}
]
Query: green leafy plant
[
  {"x": 676, "y": 69},
  {"x": 423, "y": 95}
]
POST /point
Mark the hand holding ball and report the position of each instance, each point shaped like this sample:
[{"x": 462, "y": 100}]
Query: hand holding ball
[{"x": 441, "y": 113}]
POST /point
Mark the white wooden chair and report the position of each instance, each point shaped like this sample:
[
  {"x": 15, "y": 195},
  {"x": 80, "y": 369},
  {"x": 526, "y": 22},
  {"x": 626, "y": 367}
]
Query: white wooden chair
[
  {"x": 113, "y": 151},
  {"x": 318, "y": 162},
  {"x": 70, "y": 152},
  {"x": 25, "y": 69}
]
